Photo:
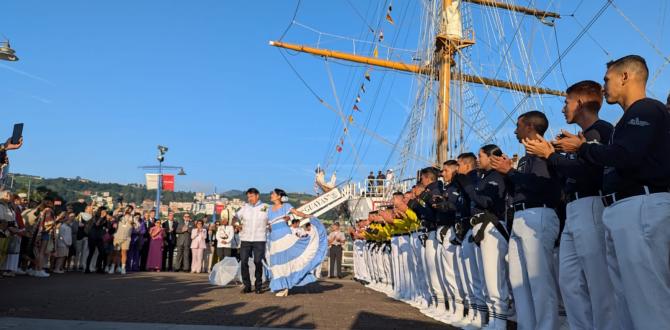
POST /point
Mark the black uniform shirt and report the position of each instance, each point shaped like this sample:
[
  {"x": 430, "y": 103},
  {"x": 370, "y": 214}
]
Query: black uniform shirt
[
  {"x": 464, "y": 205},
  {"x": 533, "y": 182},
  {"x": 424, "y": 211},
  {"x": 451, "y": 195},
  {"x": 639, "y": 150},
  {"x": 580, "y": 176},
  {"x": 488, "y": 194}
]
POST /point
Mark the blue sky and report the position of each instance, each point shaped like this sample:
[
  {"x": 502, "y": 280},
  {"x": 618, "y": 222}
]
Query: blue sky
[{"x": 100, "y": 84}]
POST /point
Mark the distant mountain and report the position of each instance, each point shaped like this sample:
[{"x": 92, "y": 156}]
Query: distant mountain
[
  {"x": 72, "y": 190},
  {"x": 233, "y": 193}
]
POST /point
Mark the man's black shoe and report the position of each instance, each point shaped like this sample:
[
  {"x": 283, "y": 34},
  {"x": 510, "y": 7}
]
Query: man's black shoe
[
  {"x": 259, "y": 291},
  {"x": 246, "y": 290}
]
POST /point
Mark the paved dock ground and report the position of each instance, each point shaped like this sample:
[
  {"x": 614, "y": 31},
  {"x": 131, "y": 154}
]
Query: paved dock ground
[{"x": 163, "y": 300}]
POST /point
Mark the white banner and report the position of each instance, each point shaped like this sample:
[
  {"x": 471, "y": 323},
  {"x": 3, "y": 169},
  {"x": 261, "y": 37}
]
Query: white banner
[
  {"x": 209, "y": 208},
  {"x": 320, "y": 202},
  {"x": 152, "y": 180}
]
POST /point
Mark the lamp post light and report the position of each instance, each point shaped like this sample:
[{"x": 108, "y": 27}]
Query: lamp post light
[
  {"x": 6, "y": 52},
  {"x": 161, "y": 157}
]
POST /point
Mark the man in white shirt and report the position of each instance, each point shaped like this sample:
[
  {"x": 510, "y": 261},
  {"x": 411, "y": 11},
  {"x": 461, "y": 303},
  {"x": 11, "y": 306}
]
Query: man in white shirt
[
  {"x": 252, "y": 221},
  {"x": 335, "y": 240}
]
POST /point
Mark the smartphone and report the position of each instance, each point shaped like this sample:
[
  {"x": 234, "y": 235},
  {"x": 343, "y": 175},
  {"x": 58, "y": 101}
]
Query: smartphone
[{"x": 18, "y": 132}]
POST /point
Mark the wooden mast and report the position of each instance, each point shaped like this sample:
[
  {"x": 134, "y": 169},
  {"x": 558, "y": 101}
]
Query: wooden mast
[
  {"x": 446, "y": 45},
  {"x": 444, "y": 53}
]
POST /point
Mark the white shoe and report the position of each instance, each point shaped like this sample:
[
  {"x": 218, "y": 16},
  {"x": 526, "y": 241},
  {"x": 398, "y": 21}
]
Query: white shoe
[
  {"x": 118, "y": 270},
  {"x": 282, "y": 293},
  {"x": 123, "y": 271},
  {"x": 41, "y": 273},
  {"x": 20, "y": 272},
  {"x": 463, "y": 322},
  {"x": 476, "y": 321},
  {"x": 58, "y": 271},
  {"x": 111, "y": 270},
  {"x": 496, "y": 324},
  {"x": 457, "y": 314}
]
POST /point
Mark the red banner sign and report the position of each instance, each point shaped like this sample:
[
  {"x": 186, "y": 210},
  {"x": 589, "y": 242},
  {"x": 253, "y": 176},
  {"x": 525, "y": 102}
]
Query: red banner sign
[{"x": 168, "y": 182}]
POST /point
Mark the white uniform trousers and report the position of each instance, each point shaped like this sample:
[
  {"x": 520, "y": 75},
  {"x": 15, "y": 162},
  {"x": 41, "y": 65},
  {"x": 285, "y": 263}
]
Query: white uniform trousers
[
  {"x": 433, "y": 272},
  {"x": 470, "y": 279},
  {"x": 532, "y": 268},
  {"x": 588, "y": 294},
  {"x": 376, "y": 265},
  {"x": 493, "y": 270},
  {"x": 422, "y": 294},
  {"x": 451, "y": 255},
  {"x": 357, "y": 260},
  {"x": 638, "y": 258},
  {"x": 406, "y": 268},
  {"x": 388, "y": 267},
  {"x": 395, "y": 263},
  {"x": 369, "y": 261}
]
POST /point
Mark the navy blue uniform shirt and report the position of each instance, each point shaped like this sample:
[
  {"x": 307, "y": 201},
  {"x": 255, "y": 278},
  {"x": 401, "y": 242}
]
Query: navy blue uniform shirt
[
  {"x": 579, "y": 175},
  {"x": 488, "y": 194},
  {"x": 533, "y": 182},
  {"x": 639, "y": 150}
]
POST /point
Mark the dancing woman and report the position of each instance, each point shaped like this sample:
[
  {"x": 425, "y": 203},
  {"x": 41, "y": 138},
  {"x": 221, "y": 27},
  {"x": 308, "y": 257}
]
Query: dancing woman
[{"x": 292, "y": 258}]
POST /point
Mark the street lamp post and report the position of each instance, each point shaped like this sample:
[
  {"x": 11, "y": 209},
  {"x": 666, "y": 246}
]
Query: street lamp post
[{"x": 161, "y": 157}]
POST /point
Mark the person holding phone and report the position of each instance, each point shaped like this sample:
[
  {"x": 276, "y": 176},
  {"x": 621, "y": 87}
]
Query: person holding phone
[{"x": 13, "y": 143}]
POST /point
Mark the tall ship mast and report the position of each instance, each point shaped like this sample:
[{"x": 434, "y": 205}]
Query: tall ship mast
[{"x": 455, "y": 95}]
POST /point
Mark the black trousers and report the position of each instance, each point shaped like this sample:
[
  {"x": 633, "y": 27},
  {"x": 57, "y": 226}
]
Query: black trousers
[
  {"x": 335, "y": 254},
  {"x": 144, "y": 254},
  {"x": 102, "y": 256},
  {"x": 183, "y": 261},
  {"x": 223, "y": 252},
  {"x": 257, "y": 249},
  {"x": 168, "y": 255}
]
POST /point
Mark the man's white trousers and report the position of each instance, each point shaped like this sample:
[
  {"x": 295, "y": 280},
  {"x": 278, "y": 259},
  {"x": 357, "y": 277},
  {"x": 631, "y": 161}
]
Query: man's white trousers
[
  {"x": 532, "y": 268},
  {"x": 586, "y": 288},
  {"x": 638, "y": 258}
]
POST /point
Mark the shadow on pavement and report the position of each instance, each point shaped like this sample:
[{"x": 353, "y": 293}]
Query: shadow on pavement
[
  {"x": 369, "y": 320},
  {"x": 155, "y": 298}
]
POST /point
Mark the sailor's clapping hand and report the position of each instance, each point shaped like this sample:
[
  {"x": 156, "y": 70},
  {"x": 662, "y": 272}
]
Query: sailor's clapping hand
[
  {"x": 501, "y": 164},
  {"x": 387, "y": 215},
  {"x": 538, "y": 147},
  {"x": 568, "y": 142}
]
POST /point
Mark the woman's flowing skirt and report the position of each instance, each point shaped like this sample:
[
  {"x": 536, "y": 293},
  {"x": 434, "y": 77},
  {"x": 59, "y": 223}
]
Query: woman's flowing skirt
[{"x": 293, "y": 258}]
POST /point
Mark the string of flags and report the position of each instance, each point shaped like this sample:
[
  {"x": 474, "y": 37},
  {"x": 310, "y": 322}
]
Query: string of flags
[
  {"x": 367, "y": 76},
  {"x": 388, "y": 15}
]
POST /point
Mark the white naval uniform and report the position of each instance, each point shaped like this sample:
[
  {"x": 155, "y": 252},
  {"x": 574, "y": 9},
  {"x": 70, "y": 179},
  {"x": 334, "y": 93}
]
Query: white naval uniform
[
  {"x": 395, "y": 263},
  {"x": 638, "y": 257},
  {"x": 583, "y": 277},
  {"x": 434, "y": 275},
  {"x": 470, "y": 279},
  {"x": 532, "y": 268},
  {"x": 451, "y": 256},
  {"x": 406, "y": 268},
  {"x": 422, "y": 295},
  {"x": 493, "y": 270}
]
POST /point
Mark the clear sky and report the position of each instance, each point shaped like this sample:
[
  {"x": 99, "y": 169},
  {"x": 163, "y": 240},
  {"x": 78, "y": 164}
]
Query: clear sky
[{"x": 100, "y": 83}]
